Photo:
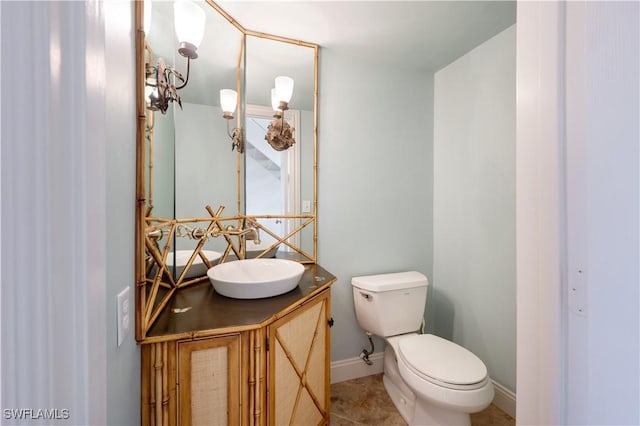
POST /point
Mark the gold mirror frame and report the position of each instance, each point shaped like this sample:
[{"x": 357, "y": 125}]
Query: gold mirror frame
[{"x": 151, "y": 296}]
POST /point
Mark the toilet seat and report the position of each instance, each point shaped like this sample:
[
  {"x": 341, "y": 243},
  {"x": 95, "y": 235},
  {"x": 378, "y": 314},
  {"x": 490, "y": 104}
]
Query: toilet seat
[{"x": 441, "y": 362}]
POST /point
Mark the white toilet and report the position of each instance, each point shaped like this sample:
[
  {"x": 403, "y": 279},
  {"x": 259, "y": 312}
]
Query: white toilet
[{"x": 431, "y": 381}]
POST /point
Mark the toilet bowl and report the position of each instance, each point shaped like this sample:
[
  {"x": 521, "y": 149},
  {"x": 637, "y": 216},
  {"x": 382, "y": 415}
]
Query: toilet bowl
[{"x": 431, "y": 381}]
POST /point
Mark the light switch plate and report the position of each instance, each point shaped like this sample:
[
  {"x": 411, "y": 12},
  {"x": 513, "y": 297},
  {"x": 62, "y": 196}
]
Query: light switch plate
[
  {"x": 306, "y": 206},
  {"x": 123, "y": 314}
]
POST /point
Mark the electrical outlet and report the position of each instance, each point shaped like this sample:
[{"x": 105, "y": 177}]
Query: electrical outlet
[
  {"x": 306, "y": 206},
  {"x": 124, "y": 315}
]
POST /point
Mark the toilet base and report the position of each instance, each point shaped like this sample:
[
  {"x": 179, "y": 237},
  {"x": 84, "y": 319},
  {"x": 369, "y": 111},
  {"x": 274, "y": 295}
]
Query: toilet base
[
  {"x": 427, "y": 413},
  {"x": 401, "y": 396},
  {"x": 418, "y": 412},
  {"x": 405, "y": 406},
  {"x": 414, "y": 410}
]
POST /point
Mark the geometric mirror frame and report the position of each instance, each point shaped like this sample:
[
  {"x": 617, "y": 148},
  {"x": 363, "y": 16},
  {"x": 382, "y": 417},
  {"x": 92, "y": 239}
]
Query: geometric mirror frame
[{"x": 215, "y": 234}]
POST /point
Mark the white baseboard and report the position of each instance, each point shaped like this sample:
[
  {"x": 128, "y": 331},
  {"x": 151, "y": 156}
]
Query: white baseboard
[
  {"x": 504, "y": 399},
  {"x": 352, "y": 368}
]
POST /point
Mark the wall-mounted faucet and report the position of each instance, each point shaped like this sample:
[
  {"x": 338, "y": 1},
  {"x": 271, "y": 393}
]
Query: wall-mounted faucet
[
  {"x": 249, "y": 233},
  {"x": 155, "y": 235},
  {"x": 253, "y": 234}
]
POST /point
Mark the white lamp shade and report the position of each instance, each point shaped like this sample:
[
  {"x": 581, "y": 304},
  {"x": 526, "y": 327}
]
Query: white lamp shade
[
  {"x": 284, "y": 88},
  {"x": 228, "y": 100},
  {"x": 189, "y": 22},
  {"x": 274, "y": 100}
]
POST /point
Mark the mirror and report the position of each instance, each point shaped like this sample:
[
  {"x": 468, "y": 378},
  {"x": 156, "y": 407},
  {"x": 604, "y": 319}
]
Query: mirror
[
  {"x": 199, "y": 201},
  {"x": 189, "y": 140},
  {"x": 279, "y": 185}
]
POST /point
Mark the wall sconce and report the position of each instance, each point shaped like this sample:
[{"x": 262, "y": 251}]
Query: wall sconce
[
  {"x": 161, "y": 79},
  {"x": 280, "y": 133},
  {"x": 228, "y": 102}
]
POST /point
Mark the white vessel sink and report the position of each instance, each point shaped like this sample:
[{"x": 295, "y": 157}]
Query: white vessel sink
[
  {"x": 253, "y": 250},
  {"x": 255, "y": 278},
  {"x": 198, "y": 268}
]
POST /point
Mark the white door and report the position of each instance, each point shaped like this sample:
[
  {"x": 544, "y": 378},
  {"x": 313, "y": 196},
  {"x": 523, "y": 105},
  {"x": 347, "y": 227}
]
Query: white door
[{"x": 271, "y": 177}]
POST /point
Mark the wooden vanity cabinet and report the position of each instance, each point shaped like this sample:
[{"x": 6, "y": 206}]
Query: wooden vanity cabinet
[{"x": 274, "y": 374}]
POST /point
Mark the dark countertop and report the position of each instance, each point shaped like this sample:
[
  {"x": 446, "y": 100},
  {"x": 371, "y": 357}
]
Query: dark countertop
[{"x": 203, "y": 311}]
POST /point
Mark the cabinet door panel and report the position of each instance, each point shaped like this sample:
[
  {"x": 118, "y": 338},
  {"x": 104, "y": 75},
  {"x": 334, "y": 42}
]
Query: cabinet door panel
[
  {"x": 298, "y": 365},
  {"x": 209, "y": 381}
]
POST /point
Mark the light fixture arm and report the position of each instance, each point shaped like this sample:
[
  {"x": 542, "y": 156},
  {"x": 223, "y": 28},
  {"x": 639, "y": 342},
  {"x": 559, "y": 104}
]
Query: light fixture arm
[
  {"x": 284, "y": 106},
  {"x": 166, "y": 91},
  {"x": 282, "y": 123},
  {"x": 186, "y": 80},
  {"x": 237, "y": 141}
]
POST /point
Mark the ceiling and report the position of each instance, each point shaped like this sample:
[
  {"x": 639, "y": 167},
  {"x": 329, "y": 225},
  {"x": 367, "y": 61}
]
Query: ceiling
[
  {"x": 420, "y": 35},
  {"x": 412, "y": 35}
]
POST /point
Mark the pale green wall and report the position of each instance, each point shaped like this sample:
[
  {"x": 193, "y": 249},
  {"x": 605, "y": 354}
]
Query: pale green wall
[
  {"x": 205, "y": 165},
  {"x": 163, "y": 165},
  {"x": 375, "y": 179},
  {"x": 474, "y": 282},
  {"x": 123, "y": 363}
]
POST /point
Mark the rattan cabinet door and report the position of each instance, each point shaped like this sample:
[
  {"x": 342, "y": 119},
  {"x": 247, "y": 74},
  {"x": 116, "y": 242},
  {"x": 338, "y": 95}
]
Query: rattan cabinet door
[
  {"x": 298, "y": 365},
  {"x": 209, "y": 381}
]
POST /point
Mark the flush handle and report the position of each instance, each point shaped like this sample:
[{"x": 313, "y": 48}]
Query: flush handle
[{"x": 366, "y": 296}]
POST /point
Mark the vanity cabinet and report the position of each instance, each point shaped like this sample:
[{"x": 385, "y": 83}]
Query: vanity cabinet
[{"x": 272, "y": 373}]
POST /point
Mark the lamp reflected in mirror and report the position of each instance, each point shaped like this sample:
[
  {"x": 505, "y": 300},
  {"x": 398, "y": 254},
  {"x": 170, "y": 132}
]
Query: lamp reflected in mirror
[
  {"x": 162, "y": 81},
  {"x": 228, "y": 103},
  {"x": 277, "y": 112},
  {"x": 280, "y": 133},
  {"x": 284, "y": 91}
]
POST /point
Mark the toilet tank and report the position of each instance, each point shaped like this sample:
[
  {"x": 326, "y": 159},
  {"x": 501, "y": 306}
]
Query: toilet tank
[{"x": 390, "y": 304}]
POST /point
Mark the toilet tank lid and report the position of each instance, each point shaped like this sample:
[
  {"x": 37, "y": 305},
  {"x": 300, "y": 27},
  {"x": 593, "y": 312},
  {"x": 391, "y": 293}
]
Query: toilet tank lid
[{"x": 388, "y": 282}]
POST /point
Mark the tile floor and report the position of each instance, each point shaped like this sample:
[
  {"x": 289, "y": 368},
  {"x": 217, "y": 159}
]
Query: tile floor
[{"x": 364, "y": 401}]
